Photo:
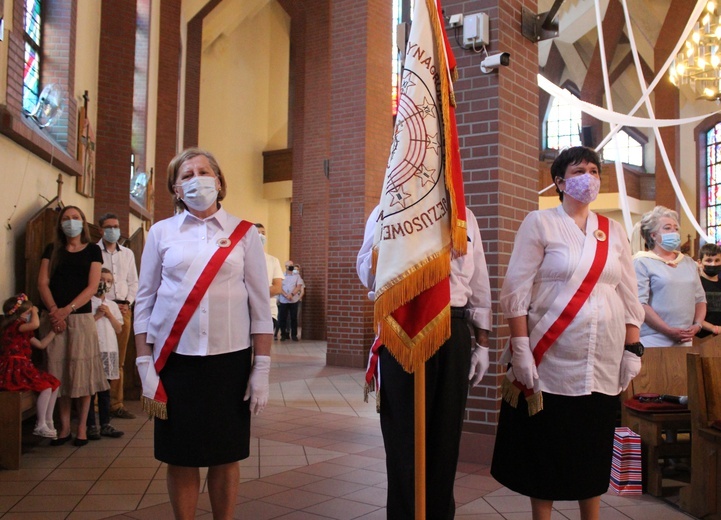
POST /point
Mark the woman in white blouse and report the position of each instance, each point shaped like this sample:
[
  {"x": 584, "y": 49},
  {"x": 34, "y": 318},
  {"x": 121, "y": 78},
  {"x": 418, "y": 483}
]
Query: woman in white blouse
[
  {"x": 207, "y": 375},
  {"x": 570, "y": 300}
]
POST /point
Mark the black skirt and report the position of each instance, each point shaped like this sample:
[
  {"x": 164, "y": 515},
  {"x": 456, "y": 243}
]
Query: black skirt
[
  {"x": 208, "y": 422},
  {"x": 561, "y": 453}
]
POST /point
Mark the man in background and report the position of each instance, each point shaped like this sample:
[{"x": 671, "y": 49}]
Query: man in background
[
  {"x": 289, "y": 298},
  {"x": 275, "y": 277},
  {"x": 121, "y": 262}
]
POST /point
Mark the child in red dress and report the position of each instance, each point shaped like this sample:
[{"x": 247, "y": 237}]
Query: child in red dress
[{"x": 17, "y": 372}]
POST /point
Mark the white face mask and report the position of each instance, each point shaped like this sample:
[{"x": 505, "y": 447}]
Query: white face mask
[
  {"x": 199, "y": 193},
  {"x": 263, "y": 239}
]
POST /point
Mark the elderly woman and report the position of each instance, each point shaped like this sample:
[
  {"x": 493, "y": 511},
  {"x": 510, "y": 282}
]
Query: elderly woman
[
  {"x": 669, "y": 286},
  {"x": 201, "y": 322},
  {"x": 570, "y": 299},
  {"x": 69, "y": 276}
]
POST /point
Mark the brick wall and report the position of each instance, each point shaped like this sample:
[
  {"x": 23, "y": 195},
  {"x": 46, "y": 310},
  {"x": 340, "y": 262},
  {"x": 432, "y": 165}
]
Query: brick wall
[
  {"x": 115, "y": 109},
  {"x": 498, "y": 131},
  {"x": 166, "y": 136},
  {"x": 309, "y": 217},
  {"x": 360, "y": 138}
]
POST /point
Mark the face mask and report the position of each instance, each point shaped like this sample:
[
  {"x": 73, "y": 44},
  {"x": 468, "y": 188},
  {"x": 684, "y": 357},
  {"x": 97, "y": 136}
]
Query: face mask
[
  {"x": 263, "y": 239},
  {"x": 72, "y": 228},
  {"x": 290, "y": 268},
  {"x": 199, "y": 193},
  {"x": 28, "y": 317},
  {"x": 111, "y": 235},
  {"x": 670, "y": 241},
  {"x": 583, "y": 188},
  {"x": 712, "y": 270}
]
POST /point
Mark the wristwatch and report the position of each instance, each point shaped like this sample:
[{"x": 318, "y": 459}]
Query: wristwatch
[{"x": 635, "y": 348}]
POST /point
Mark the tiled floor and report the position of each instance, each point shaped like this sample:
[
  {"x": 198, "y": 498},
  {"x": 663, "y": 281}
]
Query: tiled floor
[{"x": 316, "y": 453}]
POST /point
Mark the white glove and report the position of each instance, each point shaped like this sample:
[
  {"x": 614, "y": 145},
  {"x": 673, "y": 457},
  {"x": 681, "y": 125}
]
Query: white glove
[
  {"x": 630, "y": 367},
  {"x": 524, "y": 366},
  {"x": 479, "y": 364},
  {"x": 258, "y": 384},
  {"x": 145, "y": 367}
]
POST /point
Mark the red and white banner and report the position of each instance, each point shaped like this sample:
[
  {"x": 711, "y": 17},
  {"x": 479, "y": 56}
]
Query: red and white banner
[{"x": 420, "y": 227}]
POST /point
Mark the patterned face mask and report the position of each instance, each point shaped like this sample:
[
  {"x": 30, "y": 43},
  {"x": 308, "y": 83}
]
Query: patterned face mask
[{"x": 583, "y": 188}]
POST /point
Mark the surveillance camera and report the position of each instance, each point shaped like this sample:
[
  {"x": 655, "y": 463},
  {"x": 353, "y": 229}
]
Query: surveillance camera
[{"x": 494, "y": 61}]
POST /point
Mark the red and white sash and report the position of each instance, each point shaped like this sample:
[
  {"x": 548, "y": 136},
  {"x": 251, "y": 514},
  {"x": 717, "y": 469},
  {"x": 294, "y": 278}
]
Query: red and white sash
[
  {"x": 564, "y": 308},
  {"x": 195, "y": 284}
]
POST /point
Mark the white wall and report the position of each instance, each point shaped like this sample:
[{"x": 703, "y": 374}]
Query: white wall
[{"x": 244, "y": 107}]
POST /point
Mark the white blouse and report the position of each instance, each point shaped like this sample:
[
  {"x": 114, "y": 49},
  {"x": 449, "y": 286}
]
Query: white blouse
[
  {"x": 234, "y": 306},
  {"x": 587, "y": 356}
]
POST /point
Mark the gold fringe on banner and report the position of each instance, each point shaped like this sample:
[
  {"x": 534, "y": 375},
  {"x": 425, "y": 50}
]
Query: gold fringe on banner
[
  {"x": 411, "y": 283},
  {"x": 459, "y": 238},
  {"x": 510, "y": 393},
  {"x": 155, "y": 408},
  {"x": 412, "y": 353}
]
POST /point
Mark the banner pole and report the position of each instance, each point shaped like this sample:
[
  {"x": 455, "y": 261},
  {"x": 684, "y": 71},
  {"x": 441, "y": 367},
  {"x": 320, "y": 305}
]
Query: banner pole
[{"x": 419, "y": 405}]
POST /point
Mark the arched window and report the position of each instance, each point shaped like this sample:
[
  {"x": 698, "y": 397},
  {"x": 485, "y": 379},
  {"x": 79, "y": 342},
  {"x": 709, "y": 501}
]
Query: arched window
[
  {"x": 629, "y": 148},
  {"x": 563, "y": 125},
  {"x": 713, "y": 182}
]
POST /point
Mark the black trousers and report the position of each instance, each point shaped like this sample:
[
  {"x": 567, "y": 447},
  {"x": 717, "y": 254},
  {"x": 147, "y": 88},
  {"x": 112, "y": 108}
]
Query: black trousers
[
  {"x": 285, "y": 311},
  {"x": 446, "y": 394}
]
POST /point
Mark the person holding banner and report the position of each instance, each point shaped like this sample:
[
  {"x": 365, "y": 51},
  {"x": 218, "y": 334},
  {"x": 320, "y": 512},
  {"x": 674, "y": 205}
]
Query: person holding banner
[
  {"x": 463, "y": 358},
  {"x": 572, "y": 306},
  {"x": 203, "y": 333}
]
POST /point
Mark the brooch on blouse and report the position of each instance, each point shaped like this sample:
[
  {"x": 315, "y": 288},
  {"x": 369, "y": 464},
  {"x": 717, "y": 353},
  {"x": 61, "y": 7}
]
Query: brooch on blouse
[
  {"x": 223, "y": 242},
  {"x": 600, "y": 235}
]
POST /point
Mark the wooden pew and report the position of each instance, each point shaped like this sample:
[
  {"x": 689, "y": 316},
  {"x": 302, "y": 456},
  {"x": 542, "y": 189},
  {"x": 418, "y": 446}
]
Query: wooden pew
[
  {"x": 14, "y": 408},
  {"x": 702, "y": 498},
  {"x": 663, "y": 372}
]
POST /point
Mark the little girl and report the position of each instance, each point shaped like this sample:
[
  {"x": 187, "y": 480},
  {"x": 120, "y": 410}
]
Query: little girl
[{"x": 17, "y": 372}]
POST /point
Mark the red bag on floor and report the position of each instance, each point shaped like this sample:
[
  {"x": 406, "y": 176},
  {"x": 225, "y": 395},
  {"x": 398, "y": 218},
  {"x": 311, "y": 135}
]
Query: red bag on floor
[
  {"x": 626, "y": 463},
  {"x": 654, "y": 403}
]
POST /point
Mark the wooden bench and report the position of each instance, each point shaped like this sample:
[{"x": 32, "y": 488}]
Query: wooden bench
[
  {"x": 663, "y": 372},
  {"x": 14, "y": 408},
  {"x": 702, "y": 498}
]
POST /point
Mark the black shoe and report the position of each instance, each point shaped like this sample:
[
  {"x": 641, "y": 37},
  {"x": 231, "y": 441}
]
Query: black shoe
[
  {"x": 295, "y": 339},
  {"x": 60, "y": 440},
  {"x": 123, "y": 413},
  {"x": 93, "y": 433},
  {"x": 109, "y": 431},
  {"x": 283, "y": 338},
  {"x": 80, "y": 442}
]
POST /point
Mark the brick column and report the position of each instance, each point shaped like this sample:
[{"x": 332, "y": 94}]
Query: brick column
[
  {"x": 498, "y": 130},
  {"x": 360, "y": 138},
  {"x": 115, "y": 110},
  {"x": 167, "y": 112}
]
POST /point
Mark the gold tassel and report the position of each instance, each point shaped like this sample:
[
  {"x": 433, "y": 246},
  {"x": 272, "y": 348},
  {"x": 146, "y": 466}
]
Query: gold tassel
[
  {"x": 510, "y": 392},
  {"x": 367, "y": 389},
  {"x": 155, "y": 408},
  {"x": 535, "y": 403}
]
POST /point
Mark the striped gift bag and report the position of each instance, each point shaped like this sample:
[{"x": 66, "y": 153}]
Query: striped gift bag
[{"x": 626, "y": 464}]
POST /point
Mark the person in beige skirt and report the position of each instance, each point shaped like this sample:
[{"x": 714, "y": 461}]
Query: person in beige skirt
[{"x": 68, "y": 278}]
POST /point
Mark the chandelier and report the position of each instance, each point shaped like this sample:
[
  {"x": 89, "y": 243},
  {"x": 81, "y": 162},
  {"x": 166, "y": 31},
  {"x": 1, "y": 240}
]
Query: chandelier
[{"x": 699, "y": 62}]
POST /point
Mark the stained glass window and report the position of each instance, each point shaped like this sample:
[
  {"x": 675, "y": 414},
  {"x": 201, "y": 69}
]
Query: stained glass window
[
  {"x": 563, "y": 125},
  {"x": 32, "y": 59},
  {"x": 629, "y": 149},
  {"x": 713, "y": 183}
]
